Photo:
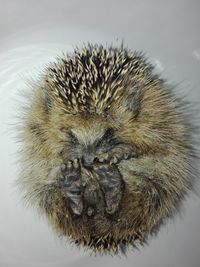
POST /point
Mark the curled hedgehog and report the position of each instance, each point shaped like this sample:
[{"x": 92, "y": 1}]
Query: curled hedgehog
[{"x": 107, "y": 151}]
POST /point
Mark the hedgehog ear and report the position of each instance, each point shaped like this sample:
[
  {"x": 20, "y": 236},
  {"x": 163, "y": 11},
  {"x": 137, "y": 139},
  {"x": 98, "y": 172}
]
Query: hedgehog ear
[
  {"x": 133, "y": 99},
  {"x": 47, "y": 99}
]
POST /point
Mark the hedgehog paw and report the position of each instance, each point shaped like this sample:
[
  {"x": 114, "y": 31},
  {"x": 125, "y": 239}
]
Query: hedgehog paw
[
  {"x": 121, "y": 152},
  {"x": 115, "y": 155},
  {"x": 72, "y": 186},
  {"x": 111, "y": 183}
]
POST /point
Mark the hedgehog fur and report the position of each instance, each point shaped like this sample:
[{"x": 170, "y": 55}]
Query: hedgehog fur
[{"x": 106, "y": 148}]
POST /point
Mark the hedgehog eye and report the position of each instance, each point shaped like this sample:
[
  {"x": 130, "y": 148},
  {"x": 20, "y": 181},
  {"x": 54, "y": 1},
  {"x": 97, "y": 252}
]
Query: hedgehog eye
[
  {"x": 109, "y": 133},
  {"x": 108, "y": 137},
  {"x": 74, "y": 140}
]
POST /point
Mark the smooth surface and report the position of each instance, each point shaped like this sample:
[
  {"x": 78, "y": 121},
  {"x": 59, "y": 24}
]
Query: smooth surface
[{"x": 32, "y": 33}]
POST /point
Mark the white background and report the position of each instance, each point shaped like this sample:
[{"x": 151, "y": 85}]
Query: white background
[{"x": 32, "y": 33}]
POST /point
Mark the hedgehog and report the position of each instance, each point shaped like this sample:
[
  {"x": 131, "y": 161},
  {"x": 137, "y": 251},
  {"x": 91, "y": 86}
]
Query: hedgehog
[{"x": 107, "y": 152}]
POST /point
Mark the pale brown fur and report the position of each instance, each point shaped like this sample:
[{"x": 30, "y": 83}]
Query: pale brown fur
[{"x": 145, "y": 114}]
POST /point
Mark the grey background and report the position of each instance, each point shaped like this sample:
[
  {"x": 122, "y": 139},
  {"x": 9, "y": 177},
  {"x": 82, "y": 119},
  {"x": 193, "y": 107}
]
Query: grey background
[{"x": 32, "y": 33}]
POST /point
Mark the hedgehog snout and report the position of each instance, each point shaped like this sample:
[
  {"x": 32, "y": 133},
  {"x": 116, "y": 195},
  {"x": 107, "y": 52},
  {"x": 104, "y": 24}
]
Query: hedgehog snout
[{"x": 88, "y": 159}]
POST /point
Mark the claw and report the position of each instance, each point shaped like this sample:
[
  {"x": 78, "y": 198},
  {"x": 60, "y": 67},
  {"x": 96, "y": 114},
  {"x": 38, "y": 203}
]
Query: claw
[
  {"x": 76, "y": 163},
  {"x": 103, "y": 157},
  {"x": 114, "y": 160},
  {"x": 77, "y": 207},
  {"x": 69, "y": 165},
  {"x": 63, "y": 167},
  {"x": 90, "y": 211},
  {"x": 126, "y": 156}
]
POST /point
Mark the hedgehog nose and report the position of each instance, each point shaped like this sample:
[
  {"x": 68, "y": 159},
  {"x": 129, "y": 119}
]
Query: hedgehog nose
[{"x": 88, "y": 160}]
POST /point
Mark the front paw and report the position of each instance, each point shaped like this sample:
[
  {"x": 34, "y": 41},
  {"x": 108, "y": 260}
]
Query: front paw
[
  {"x": 111, "y": 183},
  {"x": 71, "y": 184},
  {"x": 118, "y": 153}
]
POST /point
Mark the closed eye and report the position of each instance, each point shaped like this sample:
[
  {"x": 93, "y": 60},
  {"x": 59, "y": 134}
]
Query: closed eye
[
  {"x": 109, "y": 133},
  {"x": 74, "y": 140},
  {"x": 108, "y": 138}
]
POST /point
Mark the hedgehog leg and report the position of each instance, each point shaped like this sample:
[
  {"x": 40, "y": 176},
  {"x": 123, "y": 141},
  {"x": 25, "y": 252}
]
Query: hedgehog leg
[
  {"x": 111, "y": 183},
  {"x": 72, "y": 186}
]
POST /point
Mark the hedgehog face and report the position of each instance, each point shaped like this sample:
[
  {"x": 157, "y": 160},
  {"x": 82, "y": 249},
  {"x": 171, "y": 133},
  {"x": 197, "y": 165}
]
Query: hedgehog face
[
  {"x": 82, "y": 136},
  {"x": 87, "y": 144}
]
